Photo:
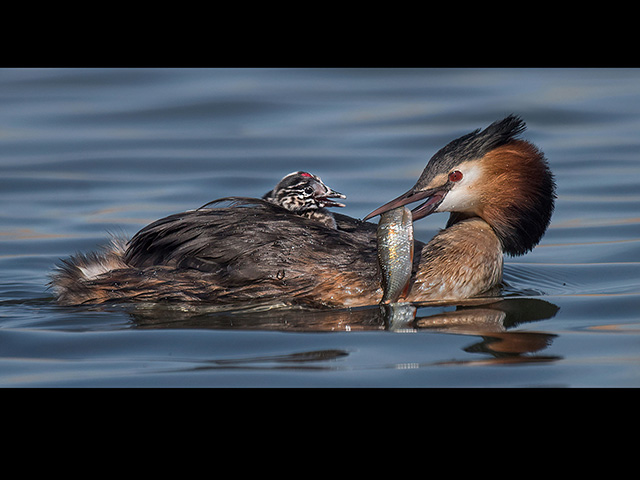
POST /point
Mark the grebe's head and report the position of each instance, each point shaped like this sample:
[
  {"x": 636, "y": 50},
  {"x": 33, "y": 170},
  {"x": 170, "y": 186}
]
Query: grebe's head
[
  {"x": 301, "y": 192},
  {"x": 492, "y": 175}
]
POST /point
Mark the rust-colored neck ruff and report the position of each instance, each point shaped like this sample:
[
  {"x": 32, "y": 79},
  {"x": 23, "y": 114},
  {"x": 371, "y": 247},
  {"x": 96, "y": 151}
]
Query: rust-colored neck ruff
[{"x": 517, "y": 197}]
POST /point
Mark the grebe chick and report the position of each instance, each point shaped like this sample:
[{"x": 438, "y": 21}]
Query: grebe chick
[
  {"x": 498, "y": 189},
  {"x": 305, "y": 194}
]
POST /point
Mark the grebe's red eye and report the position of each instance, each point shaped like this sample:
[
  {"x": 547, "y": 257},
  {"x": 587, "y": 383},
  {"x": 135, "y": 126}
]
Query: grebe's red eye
[
  {"x": 455, "y": 176},
  {"x": 305, "y": 174}
]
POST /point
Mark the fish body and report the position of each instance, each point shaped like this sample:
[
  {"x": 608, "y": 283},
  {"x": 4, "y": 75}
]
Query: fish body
[{"x": 395, "y": 252}]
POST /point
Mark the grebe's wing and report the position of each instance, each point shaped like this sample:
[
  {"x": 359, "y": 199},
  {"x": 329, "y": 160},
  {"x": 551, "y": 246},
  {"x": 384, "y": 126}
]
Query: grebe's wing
[
  {"x": 235, "y": 202},
  {"x": 251, "y": 241}
]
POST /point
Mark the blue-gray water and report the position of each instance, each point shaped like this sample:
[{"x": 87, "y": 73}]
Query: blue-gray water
[{"x": 91, "y": 151}]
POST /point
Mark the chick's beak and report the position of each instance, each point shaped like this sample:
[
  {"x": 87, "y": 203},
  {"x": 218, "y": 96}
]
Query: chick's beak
[
  {"x": 434, "y": 197},
  {"x": 323, "y": 195}
]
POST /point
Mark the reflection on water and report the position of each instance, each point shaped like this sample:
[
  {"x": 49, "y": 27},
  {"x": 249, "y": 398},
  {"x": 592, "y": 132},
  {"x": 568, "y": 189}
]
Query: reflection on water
[
  {"x": 492, "y": 322},
  {"x": 490, "y": 319},
  {"x": 298, "y": 361}
]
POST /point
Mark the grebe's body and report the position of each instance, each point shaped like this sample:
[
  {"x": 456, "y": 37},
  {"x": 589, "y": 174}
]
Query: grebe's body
[{"x": 499, "y": 191}]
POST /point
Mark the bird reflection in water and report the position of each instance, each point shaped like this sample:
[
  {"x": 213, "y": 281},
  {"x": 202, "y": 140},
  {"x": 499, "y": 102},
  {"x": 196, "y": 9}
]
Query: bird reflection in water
[{"x": 490, "y": 319}]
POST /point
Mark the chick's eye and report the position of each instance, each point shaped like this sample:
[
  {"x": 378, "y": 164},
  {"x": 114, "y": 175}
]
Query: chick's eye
[
  {"x": 455, "y": 176},
  {"x": 308, "y": 190}
]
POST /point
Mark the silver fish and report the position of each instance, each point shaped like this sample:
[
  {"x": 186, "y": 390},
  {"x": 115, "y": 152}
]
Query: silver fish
[{"x": 395, "y": 252}]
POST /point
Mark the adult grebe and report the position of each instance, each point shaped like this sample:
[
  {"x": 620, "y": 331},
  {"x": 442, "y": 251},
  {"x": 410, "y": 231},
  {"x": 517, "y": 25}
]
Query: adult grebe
[{"x": 499, "y": 190}]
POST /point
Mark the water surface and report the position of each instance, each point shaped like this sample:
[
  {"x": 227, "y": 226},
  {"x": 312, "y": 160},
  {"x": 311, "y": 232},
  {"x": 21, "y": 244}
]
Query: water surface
[{"x": 85, "y": 152}]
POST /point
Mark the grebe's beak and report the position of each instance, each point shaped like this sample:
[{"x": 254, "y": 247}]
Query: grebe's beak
[
  {"x": 434, "y": 197},
  {"x": 323, "y": 195}
]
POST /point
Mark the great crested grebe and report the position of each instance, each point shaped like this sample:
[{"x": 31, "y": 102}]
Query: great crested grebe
[{"x": 498, "y": 189}]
